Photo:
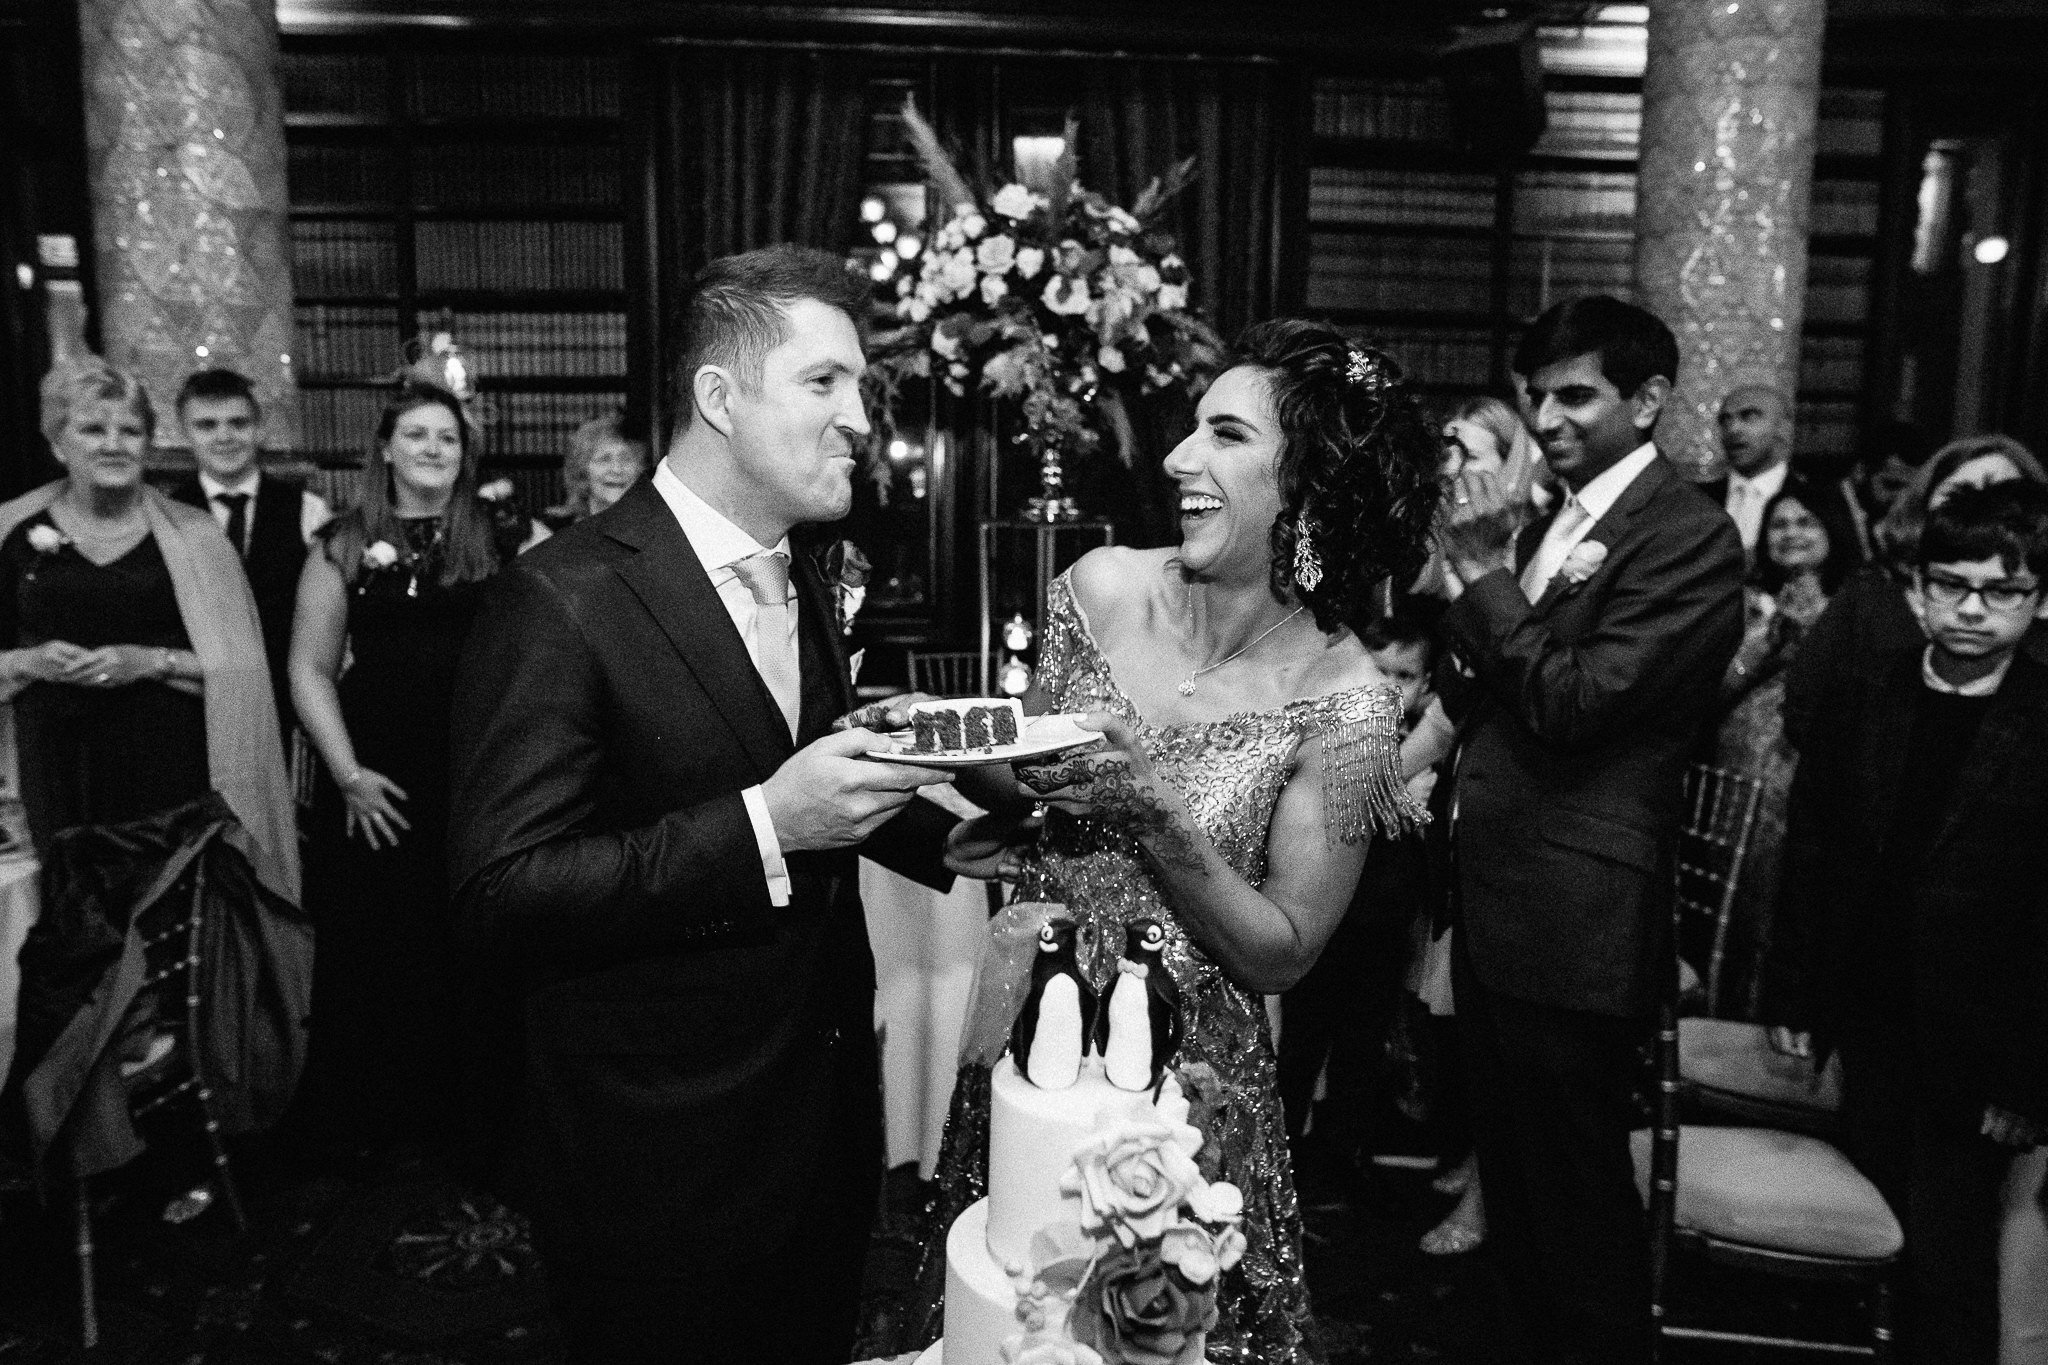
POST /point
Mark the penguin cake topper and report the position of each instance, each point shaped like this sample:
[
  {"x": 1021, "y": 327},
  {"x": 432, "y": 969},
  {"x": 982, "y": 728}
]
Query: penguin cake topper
[
  {"x": 1138, "y": 1026},
  {"x": 1051, "y": 1033}
]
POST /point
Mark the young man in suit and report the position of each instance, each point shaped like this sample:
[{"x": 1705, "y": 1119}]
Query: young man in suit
[
  {"x": 1913, "y": 928},
  {"x": 1754, "y": 424},
  {"x": 269, "y": 520},
  {"x": 655, "y": 844},
  {"x": 1595, "y": 641}
]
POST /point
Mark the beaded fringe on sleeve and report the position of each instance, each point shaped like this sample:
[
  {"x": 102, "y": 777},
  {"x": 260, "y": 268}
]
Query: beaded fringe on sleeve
[{"x": 1363, "y": 793}]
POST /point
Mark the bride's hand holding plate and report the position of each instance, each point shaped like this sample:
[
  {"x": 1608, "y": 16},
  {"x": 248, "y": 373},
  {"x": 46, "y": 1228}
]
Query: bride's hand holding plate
[{"x": 1116, "y": 781}]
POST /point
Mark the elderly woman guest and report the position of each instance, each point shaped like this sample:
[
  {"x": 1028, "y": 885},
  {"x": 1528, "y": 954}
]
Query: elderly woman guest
[
  {"x": 601, "y": 464},
  {"x": 131, "y": 652},
  {"x": 1869, "y": 616},
  {"x": 128, "y": 639},
  {"x": 391, "y": 590}
]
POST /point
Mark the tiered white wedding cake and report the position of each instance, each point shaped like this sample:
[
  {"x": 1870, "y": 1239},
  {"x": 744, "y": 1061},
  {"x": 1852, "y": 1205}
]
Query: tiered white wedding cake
[{"x": 1099, "y": 1242}]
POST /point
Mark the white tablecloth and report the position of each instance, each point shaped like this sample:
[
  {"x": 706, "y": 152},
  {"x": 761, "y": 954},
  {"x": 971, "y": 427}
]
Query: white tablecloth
[{"x": 926, "y": 949}]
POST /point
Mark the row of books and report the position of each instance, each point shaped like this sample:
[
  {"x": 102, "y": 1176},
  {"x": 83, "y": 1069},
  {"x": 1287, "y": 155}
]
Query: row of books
[
  {"x": 343, "y": 258},
  {"x": 1831, "y": 364},
  {"x": 538, "y": 425},
  {"x": 1851, "y": 123},
  {"x": 1826, "y": 428},
  {"x": 1843, "y": 208},
  {"x": 1547, "y": 269},
  {"x": 1593, "y": 123},
  {"x": 1556, "y": 203},
  {"x": 458, "y": 175},
  {"x": 519, "y": 255},
  {"x": 339, "y": 422},
  {"x": 1396, "y": 111},
  {"x": 533, "y": 345},
  {"x": 347, "y": 341},
  {"x": 1838, "y": 288},
  {"x": 455, "y": 85},
  {"x": 1382, "y": 273},
  {"x": 493, "y": 174},
  {"x": 1340, "y": 194}
]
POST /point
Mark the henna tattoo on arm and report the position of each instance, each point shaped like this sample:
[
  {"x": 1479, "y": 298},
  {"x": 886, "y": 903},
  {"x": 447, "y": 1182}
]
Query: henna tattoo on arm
[{"x": 1109, "y": 785}]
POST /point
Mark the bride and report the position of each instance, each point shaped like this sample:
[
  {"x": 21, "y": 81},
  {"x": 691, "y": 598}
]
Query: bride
[{"x": 1250, "y": 751}]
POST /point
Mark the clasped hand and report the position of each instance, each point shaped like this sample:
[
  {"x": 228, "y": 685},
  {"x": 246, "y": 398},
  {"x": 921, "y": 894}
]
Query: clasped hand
[
  {"x": 828, "y": 795},
  {"x": 1478, "y": 525},
  {"x": 60, "y": 661}
]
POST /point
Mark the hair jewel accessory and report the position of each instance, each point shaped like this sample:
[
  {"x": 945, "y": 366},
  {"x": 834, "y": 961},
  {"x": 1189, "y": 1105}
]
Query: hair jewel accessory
[
  {"x": 1308, "y": 565},
  {"x": 1368, "y": 370}
]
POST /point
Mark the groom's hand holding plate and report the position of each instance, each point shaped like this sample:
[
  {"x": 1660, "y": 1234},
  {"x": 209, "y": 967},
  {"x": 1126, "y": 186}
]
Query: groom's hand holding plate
[{"x": 829, "y": 795}]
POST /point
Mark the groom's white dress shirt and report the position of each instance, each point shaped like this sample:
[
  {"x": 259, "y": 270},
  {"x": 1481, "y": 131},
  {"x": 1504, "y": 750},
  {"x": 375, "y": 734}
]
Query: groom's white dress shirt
[{"x": 719, "y": 545}]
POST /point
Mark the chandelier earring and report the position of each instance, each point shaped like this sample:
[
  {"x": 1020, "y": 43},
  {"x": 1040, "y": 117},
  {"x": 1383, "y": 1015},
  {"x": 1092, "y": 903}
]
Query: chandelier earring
[{"x": 1308, "y": 565}]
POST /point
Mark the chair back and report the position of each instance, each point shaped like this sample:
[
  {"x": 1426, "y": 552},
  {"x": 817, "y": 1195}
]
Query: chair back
[
  {"x": 948, "y": 673},
  {"x": 1720, "y": 815}
]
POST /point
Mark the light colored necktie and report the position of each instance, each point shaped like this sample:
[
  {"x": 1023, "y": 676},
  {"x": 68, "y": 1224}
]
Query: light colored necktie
[
  {"x": 1746, "y": 506},
  {"x": 767, "y": 578},
  {"x": 1550, "y": 555}
]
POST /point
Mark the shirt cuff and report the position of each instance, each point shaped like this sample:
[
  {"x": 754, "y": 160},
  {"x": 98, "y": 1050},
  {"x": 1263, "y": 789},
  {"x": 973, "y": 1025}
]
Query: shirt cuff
[{"x": 770, "y": 847}]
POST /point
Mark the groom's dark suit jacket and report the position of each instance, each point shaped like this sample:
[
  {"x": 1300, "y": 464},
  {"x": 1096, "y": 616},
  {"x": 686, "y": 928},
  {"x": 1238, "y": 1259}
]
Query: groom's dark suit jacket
[
  {"x": 1573, "y": 740},
  {"x": 656, "y": 1047}
]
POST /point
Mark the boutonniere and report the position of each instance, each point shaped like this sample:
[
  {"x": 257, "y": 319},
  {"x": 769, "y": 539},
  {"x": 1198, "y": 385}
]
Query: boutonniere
[
  {"x": 379, "y": 555},
  {"x": 46, "y": 539},
  {"x": 497, "y": 490},
  {"x": 1585, "y": 559},
  {"x": 845, "y": 569}
]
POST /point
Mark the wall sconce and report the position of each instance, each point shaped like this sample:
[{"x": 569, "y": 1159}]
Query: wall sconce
[
  {"x": 1017, "y": 634},
  {"x": 1013, "y": 679}
]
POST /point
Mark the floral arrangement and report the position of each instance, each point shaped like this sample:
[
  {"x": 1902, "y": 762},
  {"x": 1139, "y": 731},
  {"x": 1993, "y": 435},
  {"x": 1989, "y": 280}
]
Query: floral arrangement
[
  {"x": 1137, "y": 1275},
  {"x": 1060, "y": 302}
]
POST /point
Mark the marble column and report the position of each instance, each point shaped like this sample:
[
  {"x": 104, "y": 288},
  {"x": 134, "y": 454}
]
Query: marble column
[
  {"x": 1730, "y": 96},
  {"x": 185, "y": 148}
]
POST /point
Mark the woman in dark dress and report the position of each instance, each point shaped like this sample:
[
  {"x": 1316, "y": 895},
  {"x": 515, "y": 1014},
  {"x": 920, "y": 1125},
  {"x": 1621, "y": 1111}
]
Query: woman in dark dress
[
  {"x": 384, "y": 607},
  {"x": 133, "y": 662}
]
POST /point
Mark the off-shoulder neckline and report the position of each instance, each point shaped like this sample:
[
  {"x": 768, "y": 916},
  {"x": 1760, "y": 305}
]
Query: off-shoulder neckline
[{"x": 1065, "y": 582}]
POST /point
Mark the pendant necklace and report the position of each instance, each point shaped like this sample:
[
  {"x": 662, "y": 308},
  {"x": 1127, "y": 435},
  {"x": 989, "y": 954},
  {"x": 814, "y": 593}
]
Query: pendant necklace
[{"x": 1187, "y": 685}]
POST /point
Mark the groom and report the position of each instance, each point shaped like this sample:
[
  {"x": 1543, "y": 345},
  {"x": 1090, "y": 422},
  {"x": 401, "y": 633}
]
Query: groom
[
  {"x": 1595, "y": 645},
  {"x": 654, "y": 845}
]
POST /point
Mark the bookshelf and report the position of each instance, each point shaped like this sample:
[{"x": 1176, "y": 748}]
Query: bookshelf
[
  {"x": 1443, "y": 258},
  {"x": 481, "y": 192}
]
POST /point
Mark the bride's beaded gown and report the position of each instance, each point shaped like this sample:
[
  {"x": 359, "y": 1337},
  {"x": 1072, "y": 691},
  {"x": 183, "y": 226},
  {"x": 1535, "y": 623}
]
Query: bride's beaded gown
[{"x": 1230, "y": 773}]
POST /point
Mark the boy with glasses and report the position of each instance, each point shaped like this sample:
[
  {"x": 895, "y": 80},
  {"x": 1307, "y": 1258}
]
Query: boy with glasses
[{"x": 1913, "y": 926}]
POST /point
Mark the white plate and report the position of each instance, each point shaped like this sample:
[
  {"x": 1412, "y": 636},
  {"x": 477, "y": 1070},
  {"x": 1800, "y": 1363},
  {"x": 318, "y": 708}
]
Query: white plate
[{"x": 1042, "y": 735}]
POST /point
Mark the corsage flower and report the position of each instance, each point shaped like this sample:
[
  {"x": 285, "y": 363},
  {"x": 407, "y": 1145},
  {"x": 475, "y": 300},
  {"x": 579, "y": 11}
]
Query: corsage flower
[
  {"x": 379, "y": 555},
  {"x": 497, "y": 490},
  {"x": 1585, "y": 559},
  {"x": 846, "y": 571},
  {"x": 46, "y": 539}
]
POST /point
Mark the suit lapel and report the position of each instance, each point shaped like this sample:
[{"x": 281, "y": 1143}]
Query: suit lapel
[
  {"x": 670, "y": 582},
  {"x": 1612, "y": 527},
  {"x": 2018, "y": 701}
]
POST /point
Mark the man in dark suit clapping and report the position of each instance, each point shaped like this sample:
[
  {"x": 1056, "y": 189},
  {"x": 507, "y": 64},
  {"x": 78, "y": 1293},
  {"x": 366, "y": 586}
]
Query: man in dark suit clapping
[
  {"x": 1595, "y": 642},
  {"x": 654, "y": 845}
]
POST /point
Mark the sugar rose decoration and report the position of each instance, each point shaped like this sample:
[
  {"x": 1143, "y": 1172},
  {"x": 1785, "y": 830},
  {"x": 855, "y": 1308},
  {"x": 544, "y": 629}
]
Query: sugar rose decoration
[
  {"x": 1137, "y": 1309},
  {"x": 1133, "y": 1179}
]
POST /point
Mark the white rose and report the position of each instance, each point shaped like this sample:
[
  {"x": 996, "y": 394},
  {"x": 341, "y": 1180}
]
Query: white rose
[
  {"x": 959, "y": 275},
  {"x": 1015, "y": 201},
  {"x": 1172, "y": 298},
  {"x": 1111, "y": 359},
  {"x": 973, "y": 225},
  {"x": 45, "y": 539},
  {"x": 497, "y": 490},
  {"x": 1122, "y": 255},
  {"x": 1030, "y": 261},
  {"x": 945, "y": 343},
  {"x": 1145, "y": 279},
  {"x": 996, "y": 255},
  {"x": 920, "y": 308},
  {"x": 380, "y": 555},
  {"x": 1068, "y": 297},
  {"x": 993, "y": 289}
]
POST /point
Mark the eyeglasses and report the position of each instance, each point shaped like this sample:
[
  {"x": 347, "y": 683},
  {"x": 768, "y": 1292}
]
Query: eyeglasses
[{"x": 1953, "y": 592}]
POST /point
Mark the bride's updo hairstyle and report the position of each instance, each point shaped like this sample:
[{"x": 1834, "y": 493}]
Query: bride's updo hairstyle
[{"x": 1359, "y": 468}]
